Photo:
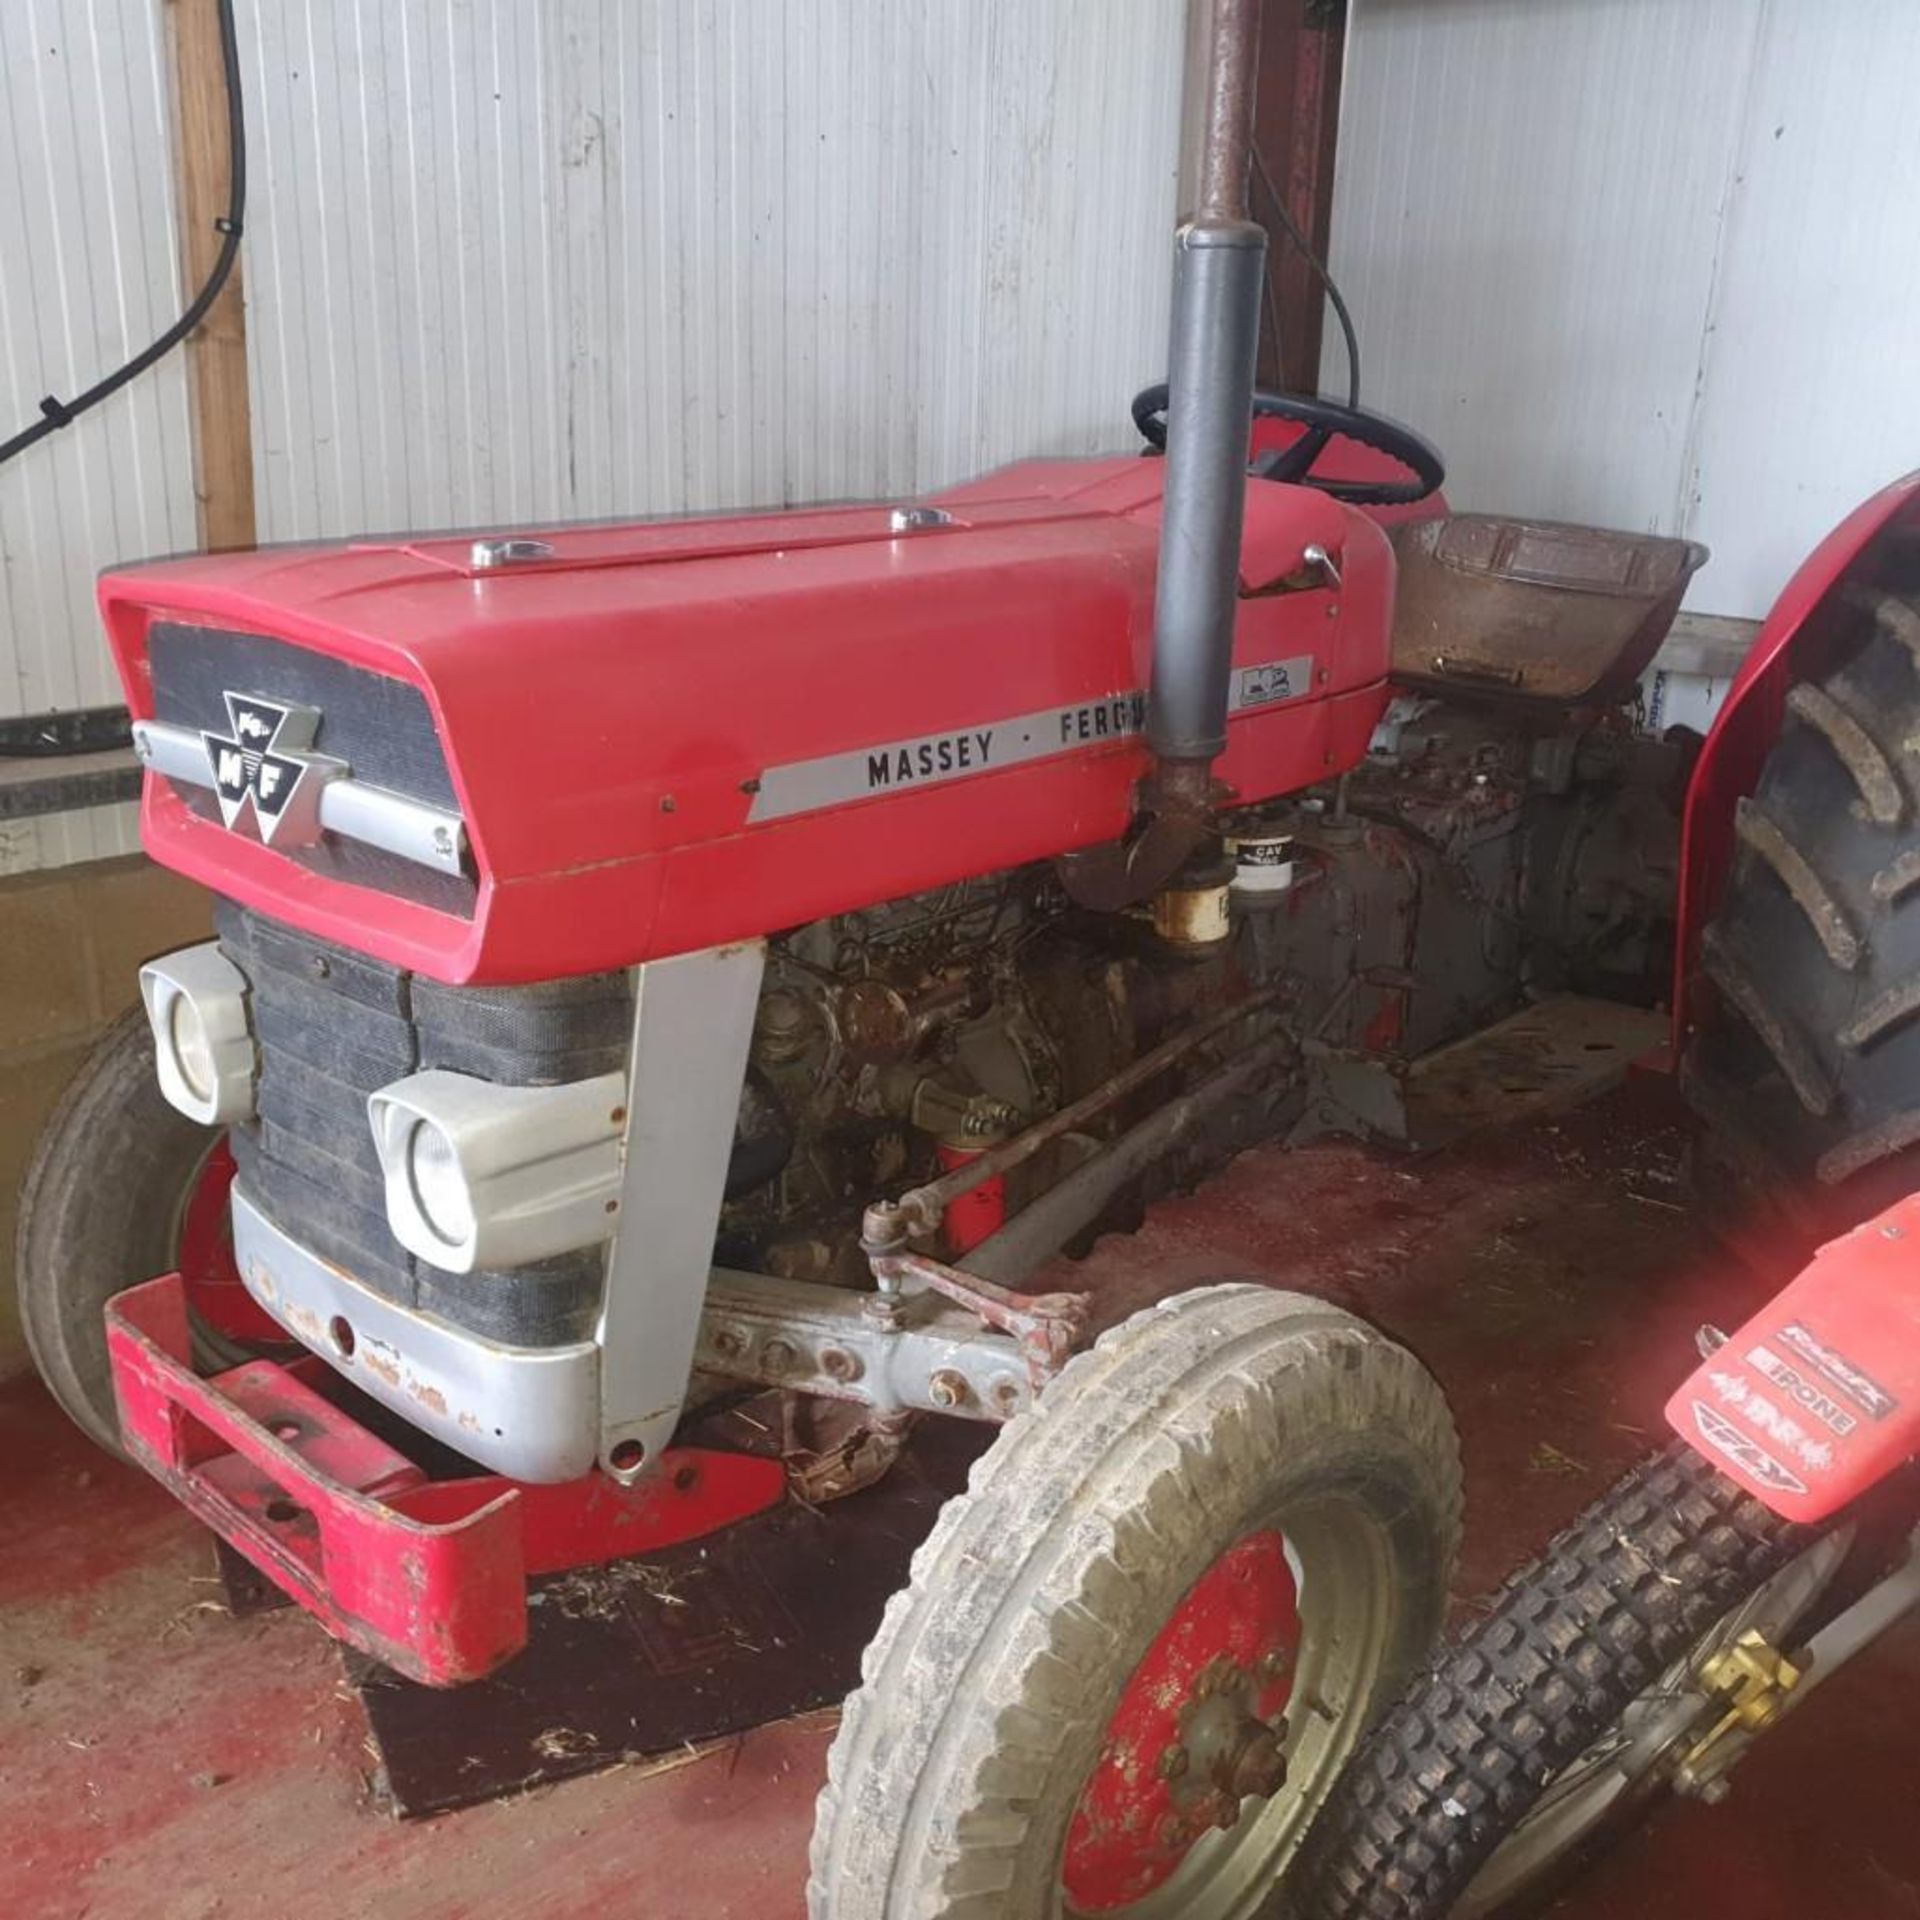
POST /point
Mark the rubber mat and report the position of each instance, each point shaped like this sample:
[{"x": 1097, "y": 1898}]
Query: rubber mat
[{"x": 645, "y": 1657}]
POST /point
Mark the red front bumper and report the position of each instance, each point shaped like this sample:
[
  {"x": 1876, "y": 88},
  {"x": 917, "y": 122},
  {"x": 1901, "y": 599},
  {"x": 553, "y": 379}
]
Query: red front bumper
[{"x": 427, "y": 1576}]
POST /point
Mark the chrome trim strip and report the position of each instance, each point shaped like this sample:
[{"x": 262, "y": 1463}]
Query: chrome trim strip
[
  {"x": 427, "y": 836},
  {"x": 532, "y": 1413}
]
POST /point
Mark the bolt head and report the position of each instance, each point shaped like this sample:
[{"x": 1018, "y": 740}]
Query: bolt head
[
  {"x": 778, "y": 1356},
  {"x": 838, "y": 1363},
  {"x": 1173, "y": 1762},
  {"x": 947, "y": 1388}
]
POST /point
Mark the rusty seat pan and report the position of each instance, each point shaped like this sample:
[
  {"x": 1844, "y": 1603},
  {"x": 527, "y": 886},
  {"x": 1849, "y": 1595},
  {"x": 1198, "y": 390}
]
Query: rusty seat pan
[{"x": 1533, "y": 610}]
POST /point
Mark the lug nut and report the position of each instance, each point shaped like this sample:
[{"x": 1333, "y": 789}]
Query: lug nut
[{"x": 947, "y": 1388}]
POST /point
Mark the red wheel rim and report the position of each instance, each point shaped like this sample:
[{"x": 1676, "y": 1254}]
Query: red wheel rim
[
  {"x": 215, "y": 1291},
  {"x": 1198, "y": 1730}
]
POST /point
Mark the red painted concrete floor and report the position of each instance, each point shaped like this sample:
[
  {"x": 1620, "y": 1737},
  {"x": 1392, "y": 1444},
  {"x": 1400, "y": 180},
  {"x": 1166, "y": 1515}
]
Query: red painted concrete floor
[{"x": 160, "y": 1761}]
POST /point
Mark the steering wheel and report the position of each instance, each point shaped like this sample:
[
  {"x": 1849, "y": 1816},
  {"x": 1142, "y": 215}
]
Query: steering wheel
[{"x": 1322, "y": 419}]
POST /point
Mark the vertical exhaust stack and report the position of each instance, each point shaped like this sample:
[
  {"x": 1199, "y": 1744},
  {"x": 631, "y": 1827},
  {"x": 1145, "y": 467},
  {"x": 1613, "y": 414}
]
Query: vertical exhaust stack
[
  {"x": 1219, "y": 260},
  {"x": 1219, "y": 265}
]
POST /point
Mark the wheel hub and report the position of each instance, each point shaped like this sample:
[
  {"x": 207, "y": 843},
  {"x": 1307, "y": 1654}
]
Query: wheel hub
[{"x": 1200, "y": 1730}]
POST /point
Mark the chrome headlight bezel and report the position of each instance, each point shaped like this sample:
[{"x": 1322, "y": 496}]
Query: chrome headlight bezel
[
  {"x": 200, "y": 984},
  {"x": 528, "y": 1172}
]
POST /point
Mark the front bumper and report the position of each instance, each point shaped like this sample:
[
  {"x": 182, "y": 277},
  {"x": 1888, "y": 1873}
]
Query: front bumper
[
  {"x": 531, "y": 1413},
  {"x": 427, "y": 1576}
]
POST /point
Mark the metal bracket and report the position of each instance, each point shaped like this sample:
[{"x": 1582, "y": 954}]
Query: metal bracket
[
  {"x": 1047, "y": 1327},
  {"x": 692, "y": 1025},
  {"x": 882, "y": 1351}
]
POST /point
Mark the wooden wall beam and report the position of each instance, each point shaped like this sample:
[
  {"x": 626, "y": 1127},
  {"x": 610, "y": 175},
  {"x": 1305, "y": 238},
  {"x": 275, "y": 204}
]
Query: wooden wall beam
[
  {"x": 1296, "y": 123},
  {"x": 217, "y": 349}
]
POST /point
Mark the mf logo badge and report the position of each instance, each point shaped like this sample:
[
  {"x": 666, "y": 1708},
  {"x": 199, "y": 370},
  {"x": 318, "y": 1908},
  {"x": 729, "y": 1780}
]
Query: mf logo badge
[{"x": 263, "y": 767}]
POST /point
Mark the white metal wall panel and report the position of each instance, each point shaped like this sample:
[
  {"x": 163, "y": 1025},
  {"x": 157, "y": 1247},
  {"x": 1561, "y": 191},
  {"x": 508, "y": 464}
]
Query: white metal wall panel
[
  {"x": 1642, "y": 262},
  {"x": 1526, "y": 205},
  {"x": 1810, "y": 394},
  {"x": 88, "y": 241},
  {"x": 516, "y": 262}
]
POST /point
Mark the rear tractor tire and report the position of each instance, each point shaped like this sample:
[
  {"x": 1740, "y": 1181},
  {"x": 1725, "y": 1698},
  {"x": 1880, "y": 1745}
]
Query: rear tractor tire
[
  {"x": 122, "y": 1188},
  {"x": 1809, "y": 1080},
  {"x": 1134, "y": 1655}
]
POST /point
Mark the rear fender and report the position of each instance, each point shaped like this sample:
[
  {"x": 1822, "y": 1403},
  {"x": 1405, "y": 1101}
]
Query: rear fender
[
  {"x": 1817, "y": 1397},
  {"x": 1805, "y": 623}
]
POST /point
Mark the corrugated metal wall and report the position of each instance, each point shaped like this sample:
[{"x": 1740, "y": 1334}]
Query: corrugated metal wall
[
  {"x": 1646, "y": 262},
  {"x": 87, "y": 276},
  {"x": 514, "y": 260},
  {"x": 610, "y": 257}
]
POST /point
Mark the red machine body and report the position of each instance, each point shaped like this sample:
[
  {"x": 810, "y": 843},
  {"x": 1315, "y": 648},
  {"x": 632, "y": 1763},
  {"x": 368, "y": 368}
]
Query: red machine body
[
  {"x": 612, "y": 711},
  {"x": 1817, "y": 1397}
]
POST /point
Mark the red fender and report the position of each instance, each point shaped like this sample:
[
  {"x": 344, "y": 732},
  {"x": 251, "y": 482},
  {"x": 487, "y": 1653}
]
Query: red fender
[
  {"x": 1804, "y": 622},
  {"x": 1817, "y": 1397}
]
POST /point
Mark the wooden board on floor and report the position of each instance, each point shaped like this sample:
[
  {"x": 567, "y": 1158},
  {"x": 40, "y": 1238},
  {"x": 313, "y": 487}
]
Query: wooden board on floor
[
  {"x": 1544, "y": 1059},
  {"x": 646, "y": 1657}
]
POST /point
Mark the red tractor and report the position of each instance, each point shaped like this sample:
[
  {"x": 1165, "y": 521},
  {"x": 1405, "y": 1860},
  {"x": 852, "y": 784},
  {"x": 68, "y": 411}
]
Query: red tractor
[{"x": 660, "y": 963}]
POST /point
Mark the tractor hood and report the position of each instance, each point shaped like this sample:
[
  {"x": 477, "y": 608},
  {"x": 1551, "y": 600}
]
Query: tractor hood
[{"x": 616, "y": 742}]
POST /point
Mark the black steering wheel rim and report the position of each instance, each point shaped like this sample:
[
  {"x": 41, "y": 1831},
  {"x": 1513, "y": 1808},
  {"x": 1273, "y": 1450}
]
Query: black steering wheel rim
[{"x": 1323, "y": 419}]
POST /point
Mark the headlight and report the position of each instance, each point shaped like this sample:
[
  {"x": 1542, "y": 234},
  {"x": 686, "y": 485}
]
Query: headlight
[
  {"x": 438, "y": 1186},
  {"x": 196, "y": 1003},
  {"x": 479, "y": 1175}
]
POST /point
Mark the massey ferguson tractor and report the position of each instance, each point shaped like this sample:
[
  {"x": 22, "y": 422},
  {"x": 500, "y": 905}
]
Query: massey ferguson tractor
[{"x": 663, "y": 963}]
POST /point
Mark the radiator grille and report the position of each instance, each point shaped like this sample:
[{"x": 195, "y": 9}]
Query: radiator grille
[
  {"x": 381, "y": 727},
  {"x": 333, "y": 1027}
]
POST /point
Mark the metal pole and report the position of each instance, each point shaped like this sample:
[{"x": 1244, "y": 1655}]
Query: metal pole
[{"x": 1219, "y": 265}]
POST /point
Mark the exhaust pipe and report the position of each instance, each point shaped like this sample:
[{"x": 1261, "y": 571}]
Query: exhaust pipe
[
  {"x": 1219, "y": 267},
  {"x": 1220, "y": 259}
]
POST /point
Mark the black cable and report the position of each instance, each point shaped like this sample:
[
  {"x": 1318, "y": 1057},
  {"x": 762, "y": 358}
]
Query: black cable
[
  {"x": 56, "y": 413},
  {"x": 1319, "y": 267},
  {"x": 1272, "y": 316}
]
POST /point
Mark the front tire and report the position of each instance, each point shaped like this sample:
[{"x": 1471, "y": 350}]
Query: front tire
[
  {"x": 103, "y": 1208},
  {"x": 1232, "y": 1454}
]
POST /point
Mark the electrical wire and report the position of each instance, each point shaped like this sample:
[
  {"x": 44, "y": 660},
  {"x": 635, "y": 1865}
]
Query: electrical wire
[
  {"x": 56, "y": 413},
  {"x": 1319, "y": 267}
]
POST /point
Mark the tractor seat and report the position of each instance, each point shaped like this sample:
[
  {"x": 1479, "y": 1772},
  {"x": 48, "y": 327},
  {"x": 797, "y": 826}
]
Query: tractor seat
[{"x": 1532, "y": 610}]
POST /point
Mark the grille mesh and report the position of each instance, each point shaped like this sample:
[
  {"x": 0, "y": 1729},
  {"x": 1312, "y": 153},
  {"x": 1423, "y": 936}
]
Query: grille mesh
[{"x": 333, "y": 1027}]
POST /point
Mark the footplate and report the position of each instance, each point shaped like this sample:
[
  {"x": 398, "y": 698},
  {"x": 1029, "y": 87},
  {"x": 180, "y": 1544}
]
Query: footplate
[{"x": 427, "y": 1576}]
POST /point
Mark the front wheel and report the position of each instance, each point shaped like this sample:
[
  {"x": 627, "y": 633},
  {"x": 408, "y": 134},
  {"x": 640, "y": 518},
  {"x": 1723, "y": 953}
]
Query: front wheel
[
  {"x": 122, "y": 1188},
  {"x": 1576, "y": 1700},
  {"x": 1136, "y": 1652}
]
